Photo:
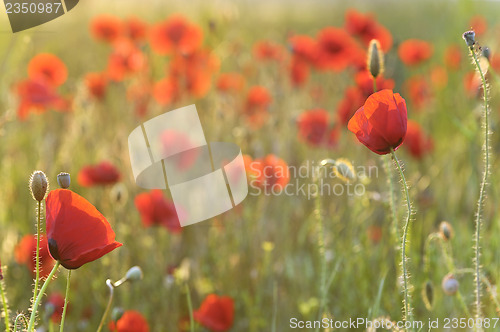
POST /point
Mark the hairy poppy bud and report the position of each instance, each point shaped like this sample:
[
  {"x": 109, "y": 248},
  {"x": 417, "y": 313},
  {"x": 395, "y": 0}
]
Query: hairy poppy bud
[
  {"x": 375, "y": 59},
  {"x": 38, "y": 185},
  {"x": 64, "y": 180},
  {"x": 470, "y": 38},
  {"x": 134, "y": 274},
  {"x": 449, "y": 284},
  {"x": 445, "y": 230}
]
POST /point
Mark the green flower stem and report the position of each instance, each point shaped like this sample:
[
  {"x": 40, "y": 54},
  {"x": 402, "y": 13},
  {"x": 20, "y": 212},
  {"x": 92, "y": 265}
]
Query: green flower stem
[
  {"x": 40, "y": 295},
  {"x": 23, "y": 318},
  {"x": 482, "y": 191},
  {"x": 65, "y": 302},
  {"x": 37, "y": 259},
  {"x": 190, "y": 308},
  {"x": 108, "y": 306},
  {"x": 407, "y": 307},
  {"x": 5, "y": 306}
]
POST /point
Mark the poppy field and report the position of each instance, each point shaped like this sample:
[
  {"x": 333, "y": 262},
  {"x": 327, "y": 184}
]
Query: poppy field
[{"x": 369, "y": 141}]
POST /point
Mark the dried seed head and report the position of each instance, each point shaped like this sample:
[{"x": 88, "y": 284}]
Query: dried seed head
[
  {"x": 134, "y": 274},
  {"x": 445, "y": 230},
  {"x": 486, "y": 52},
  {"x": 64, "y": 180},
  {"x": 344, "y": 170},
  {"x": 428, "y": 295},
  {"x": 375, "y": 59},
  {"x": 450, "y": 284},
  {"x": 38, "y": 185},
  {"x": 470, "y": 38}
]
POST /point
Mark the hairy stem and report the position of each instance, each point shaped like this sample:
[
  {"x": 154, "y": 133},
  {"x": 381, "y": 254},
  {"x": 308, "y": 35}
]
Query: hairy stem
[
  {"x": 37, "y": 259},
  {"x": 23, "y": 318},
  {"x": 40, "y": 295},
  {"x": 406, "y": 305},
  {"x": 482, "y": 191},
  {"x": 65, "y": 302},
  {"x": 5, "y": 306}
]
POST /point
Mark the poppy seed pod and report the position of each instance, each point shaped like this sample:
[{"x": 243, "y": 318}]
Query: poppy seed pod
[
  {"x": 134, "y": 274},
  {"x": 38, "y": 185},
  {"x": 344, "y": 170},
  {"x": 470, "y": 38},
  {"x": 445, "y": 230},
  {"x": 450, "y": 284},
  {"x": 375, "y": 59},
  {"x": 64, "y": 180}
]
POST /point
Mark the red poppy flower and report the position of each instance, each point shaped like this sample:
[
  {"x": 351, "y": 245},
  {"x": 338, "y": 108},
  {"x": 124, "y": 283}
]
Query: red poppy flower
[
  {"x": 299, "y": 71},
  {"x": 135, "y": 29},
  {"x": 25, "y": 253},
  {"x": 125, "y": 60},
  {"x": 335, "y": 47},
  {"x": 267, "y": 50},
  {"x": 216, "y": 313},
  {"x": 416, "y": 142},
  {"x": 107, "y": 28},
  {"x": 49, "y": 68},
  {"x": 453, "y": 56},
  {"x": 270, "y": 172},
  {"x": 77, "y": 233},
  {"x": 478, "y": 24},
  {"x": 38, "y": 96},
  {"x": 313, "y": 126},
  {"x": 418, "y": 91},
  {"x": 130, "y": 321},
  {"x": 175, "y": 35},
  {"x": 155, "y": 209},
  {"x": 257, "y": 104},
  {"x": 352, "y": 101},
  {"x": 56, "y": 301},
  {"x": 364, "y": 81},
  {"x": 304, "y": 48},
  {"x": 101, "y": 174},
  {"x": 367, "y": 28},
  {"x": 230, "y": 82},
  {"x": 380, "y": 124},
  {"x": 166, "y": 91},
  {"x": 96, "y": 84},
  {"x": 413, "y": 51}
]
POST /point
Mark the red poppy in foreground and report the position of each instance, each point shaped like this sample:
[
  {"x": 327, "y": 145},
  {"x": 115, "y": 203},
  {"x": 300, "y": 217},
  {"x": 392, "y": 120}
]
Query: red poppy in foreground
[
  {"x": 25, "y": 253},
  {"x": 216, "y": 313},
  {"x": 49, "y": 68},
  {"x": 155, "y": 209},
  {"x": 56, "y": 302},
  {"x": 77, "y": 233},
  {"x": 130, "y": 321},
  {"x": 100, "y": 174},
  {"x": 381, "y": 123}
]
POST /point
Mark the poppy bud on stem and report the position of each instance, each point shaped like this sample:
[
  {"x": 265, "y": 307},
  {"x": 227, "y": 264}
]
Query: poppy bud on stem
[{"x": 375, "y": 61}]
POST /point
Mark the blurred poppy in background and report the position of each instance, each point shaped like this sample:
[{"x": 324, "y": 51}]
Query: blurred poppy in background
[
  {"x": 175, "y": 35},
  {"x": 101, "y": 174},
  {"x": 216, "y": 313},
  {"x": 48, "y": 68},
  {"x": 156, "y": 210},
  {"x": 413, "y": 52},
  {"x": 25, "y": 253},
  {"x": 107, "y": 28},
  {"x": 130, "y": 321}
]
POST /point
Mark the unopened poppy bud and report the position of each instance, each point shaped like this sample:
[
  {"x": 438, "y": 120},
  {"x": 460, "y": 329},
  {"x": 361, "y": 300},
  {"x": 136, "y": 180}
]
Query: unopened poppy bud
[
  {"x": 116, "y": 314},
  {"x": 470, "y": 38},
  {"x": 64, "y": 180},
  {"x": 134, "y": 274},
  {"x": 486, "y": 52},
  {"x": 428, "y": 295},
  {"x": 445, "y": 230},
  {"x": 375, "y": 59},
  {"x": 449, "y": 284},
  {"x": 38, "y": 185},
  {"x": 344, "y": 170}
]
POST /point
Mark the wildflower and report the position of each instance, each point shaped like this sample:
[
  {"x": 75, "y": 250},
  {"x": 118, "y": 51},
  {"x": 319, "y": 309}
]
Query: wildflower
[
  {"x": 418, "y": 91},
  {"x": 96, "y": 84},
  {"x": 381, "y": 123},
  {"x": 299, "y": 71},
  {"x": 48, "y": 68},
  {"x": 314, "y": 127},
  {"x": 166, "y": 91},
  {"x": 335, "y": 47},
  {"x": 364, "y": 81},
  {"x": 72, "y": 243},
  {"x": 175, "y": 35},
  {"x": 267, "y": 50},
  {"x": 155, "y": 209},
  {"x": 130, "y": 321},
  {"x": 270, "y": 172},
  {"x": 125, "y": 60},
  {"x": 257, "y": 103},
  {"x": 453, "y": 56},
  {"x": 415, "y": 141},
  {"x": 135, "y": 29},
  {"x": 106, "y": 28},
  {"x": 216, "y": 313},
  {"x": 478, "y": 24},
  {"x": 101, "y": 174},
  {"x": 367, "y": 28},
  {"x": 414, "y": 51},
  {"x": 304, "y": 48},
  {"x": 230, "y": 82},
  {"x": 353, "y": 99},
  {"x": 25, "y": 253}
]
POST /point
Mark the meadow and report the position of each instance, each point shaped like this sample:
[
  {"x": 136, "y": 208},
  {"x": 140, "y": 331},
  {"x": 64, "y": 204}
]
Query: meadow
[{"x": 320, "y": 233}]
